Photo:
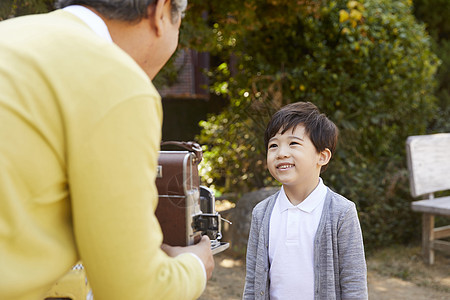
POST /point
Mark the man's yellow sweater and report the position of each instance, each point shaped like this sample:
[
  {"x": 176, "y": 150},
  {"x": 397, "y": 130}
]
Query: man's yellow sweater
[{"x": 80, "y": 127}]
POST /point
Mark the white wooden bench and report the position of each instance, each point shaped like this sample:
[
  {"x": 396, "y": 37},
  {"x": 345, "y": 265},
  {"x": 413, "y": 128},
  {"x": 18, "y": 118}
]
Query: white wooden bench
[{"x": 429, "y": 172}]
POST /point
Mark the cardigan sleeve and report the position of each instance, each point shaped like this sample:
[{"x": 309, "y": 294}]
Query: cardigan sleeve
[
  {"x": 352, "y": 263},
  {"x": 113, "y": 195}
]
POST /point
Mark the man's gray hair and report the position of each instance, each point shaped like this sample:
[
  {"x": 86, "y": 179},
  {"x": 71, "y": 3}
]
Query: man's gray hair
[{"x": 125, "y": 10}]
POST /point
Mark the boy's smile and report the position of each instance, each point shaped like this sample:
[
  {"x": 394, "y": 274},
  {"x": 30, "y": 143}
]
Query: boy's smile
[
  {"x": 284, "y": 166},
  {"x": 293, "y": 160}
]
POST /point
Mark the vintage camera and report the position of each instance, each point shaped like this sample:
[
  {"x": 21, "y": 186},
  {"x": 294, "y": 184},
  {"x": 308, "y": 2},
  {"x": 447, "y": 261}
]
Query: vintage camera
[{"x": 186, "y": 210}]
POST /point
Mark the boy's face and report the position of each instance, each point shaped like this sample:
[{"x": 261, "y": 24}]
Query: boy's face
[{"x": 292, "y": 158}]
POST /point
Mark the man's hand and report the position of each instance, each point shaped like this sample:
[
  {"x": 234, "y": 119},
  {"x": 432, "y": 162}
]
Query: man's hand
[{"x": 202, "y": 249}]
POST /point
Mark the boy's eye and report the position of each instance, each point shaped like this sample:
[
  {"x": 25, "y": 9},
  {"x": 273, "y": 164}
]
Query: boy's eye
[
  {"x": 294, "y": 143},
  {"x": 272, "y": 146}
]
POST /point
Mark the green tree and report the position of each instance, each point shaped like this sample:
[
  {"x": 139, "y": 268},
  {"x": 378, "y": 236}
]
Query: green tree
[
  {"x": 366, "y": 64},
  {"x": 16, "y": 8},
  {"x": 434, "y": 13}
]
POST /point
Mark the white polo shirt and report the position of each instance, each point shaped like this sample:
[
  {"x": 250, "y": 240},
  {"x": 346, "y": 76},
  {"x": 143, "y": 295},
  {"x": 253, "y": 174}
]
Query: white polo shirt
[{"x": 291, "y": 245}]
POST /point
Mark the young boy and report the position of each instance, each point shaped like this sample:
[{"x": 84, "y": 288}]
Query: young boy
[{"x": 305, "y": 241}]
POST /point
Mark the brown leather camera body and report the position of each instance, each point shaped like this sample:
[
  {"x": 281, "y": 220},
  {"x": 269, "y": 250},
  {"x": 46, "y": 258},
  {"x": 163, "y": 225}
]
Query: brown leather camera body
[
  {"x": 179, "y": 191},
  {"x": 186, "y": 210}
]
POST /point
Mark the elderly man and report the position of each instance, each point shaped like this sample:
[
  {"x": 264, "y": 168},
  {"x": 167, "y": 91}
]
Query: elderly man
[{"x": 79, "y": 139}]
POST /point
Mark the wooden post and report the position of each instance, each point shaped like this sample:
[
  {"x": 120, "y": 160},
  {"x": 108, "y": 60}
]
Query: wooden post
[{"x": 427, "y": 238}]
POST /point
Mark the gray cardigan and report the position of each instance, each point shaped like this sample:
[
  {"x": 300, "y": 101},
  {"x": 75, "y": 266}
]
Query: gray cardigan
[{"x": 340, "y": 267}]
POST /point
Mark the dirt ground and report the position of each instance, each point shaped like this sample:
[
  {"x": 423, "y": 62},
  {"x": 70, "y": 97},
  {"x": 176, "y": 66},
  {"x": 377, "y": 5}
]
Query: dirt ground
[{"x": 397, "y": 273}]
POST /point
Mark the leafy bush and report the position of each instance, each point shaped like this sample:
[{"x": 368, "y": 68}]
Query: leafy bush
[
  {"x": 366, "y": 64},
  {"x": 435, "y": 15},
  {"x": 15, "y": 8}
]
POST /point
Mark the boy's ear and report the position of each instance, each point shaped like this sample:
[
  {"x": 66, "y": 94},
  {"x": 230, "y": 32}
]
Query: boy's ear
[
  {"x": 324, "y": 157},
  {"x": 156, "y": 14}
]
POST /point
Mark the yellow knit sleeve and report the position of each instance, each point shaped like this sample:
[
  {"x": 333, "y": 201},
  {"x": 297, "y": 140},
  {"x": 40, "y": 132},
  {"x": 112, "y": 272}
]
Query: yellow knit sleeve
[{"x": 112, "y": 167}]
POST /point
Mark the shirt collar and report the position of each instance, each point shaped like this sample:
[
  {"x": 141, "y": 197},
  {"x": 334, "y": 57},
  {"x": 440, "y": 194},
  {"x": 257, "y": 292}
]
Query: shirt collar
[
  {"x": 309, "y": 204},
  {"x": 91, "y": 19}
]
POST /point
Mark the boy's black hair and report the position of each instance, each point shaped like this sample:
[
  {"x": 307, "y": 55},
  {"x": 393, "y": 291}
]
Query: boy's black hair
[{"x": 322, "y": 132}]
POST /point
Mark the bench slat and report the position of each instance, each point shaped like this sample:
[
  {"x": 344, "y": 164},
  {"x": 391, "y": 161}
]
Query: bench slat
[
  {"x": 441, "y": 232},
  {"x": 441, "y": 245},
  {"x": 438, "y": 206}
]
